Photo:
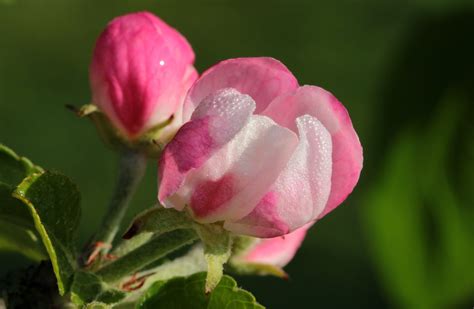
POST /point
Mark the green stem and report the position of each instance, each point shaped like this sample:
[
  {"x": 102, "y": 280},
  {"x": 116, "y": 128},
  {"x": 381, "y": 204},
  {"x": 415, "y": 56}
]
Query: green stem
[
  {"x": 132, "y": 167},
  {"x": 143, "y": 256}
]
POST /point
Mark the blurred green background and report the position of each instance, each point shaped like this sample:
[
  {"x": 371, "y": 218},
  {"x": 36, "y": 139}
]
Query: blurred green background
[{"x": 404, "y": 70}]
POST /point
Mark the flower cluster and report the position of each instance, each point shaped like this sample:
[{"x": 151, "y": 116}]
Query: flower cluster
[{"x": 249, "y": 148}]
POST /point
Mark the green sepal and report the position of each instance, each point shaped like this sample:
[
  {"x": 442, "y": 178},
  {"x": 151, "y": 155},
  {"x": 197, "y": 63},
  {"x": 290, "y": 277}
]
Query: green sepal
[
  {"x": 217, "y": 250},
  {"x": 88, "y": 288},
  {"x": 238, "y": 265},
  {"x": 187, "y": 292},
  {"x": 53, "y": 201},
  {"x": 243, "y": 268},
  {"x": 149, "y": 143}
]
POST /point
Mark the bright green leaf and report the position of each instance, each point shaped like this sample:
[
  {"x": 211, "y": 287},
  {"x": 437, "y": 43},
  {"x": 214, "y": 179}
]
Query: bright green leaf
[
  {"x": 53, "y": 201},
  {"x": 183, "y": 293}
]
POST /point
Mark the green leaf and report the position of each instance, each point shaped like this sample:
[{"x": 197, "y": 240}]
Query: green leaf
[
  {"x": 186, "y": 265},
  {"x": 158, "y": 220},
  {"x": 97, "y": 305},
  {"x": 217, "y": 250},
  {"x": 88, "y": 288},
  {"x": 12, "y": 210},
  {"x": 183, "y": 293},
  {"x": 146, "y": 255},
  {"x": 17, "y": 239},
  {"x": 150, "y": 223},
  {"x": 17, "y": 232},
  {"x": 31, "y": 287},
  {"x": 53, "y": 201},
  {"x": 14, "y": 168}
]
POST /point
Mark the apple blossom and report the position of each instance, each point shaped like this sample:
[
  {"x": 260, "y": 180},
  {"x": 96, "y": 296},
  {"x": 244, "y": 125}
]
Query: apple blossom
[
  {"x": 140, "y": 72},
  {"x": 258, "y": 152}
]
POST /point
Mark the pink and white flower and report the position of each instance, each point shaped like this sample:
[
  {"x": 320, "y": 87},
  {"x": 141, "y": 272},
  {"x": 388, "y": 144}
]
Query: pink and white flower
[
  {"x": 258, "y": 152},
  {"x": 140, "y": 72}
]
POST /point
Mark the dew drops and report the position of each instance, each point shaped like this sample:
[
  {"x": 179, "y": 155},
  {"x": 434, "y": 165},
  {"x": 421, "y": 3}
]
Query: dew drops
[{"x": 228, "y": 110}]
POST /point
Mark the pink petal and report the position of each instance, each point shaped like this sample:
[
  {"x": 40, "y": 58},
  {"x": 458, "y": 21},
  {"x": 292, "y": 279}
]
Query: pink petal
[
  {"x": 264, "y": 220},
  {"x": 276, "y": 251},
  {"x": 347, "y": 150},
  {"x": 137, "y": 70},
  {"x": 262, "y": 78},
  {"x": 167, "y": 132},
  {"x": 214, "y": 123},
  {"x": 301, "y": 190},
  {"x": 231, "y": 182}
]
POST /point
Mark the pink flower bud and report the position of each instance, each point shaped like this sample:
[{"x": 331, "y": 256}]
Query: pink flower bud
[
  {"x": 259, "y": 153},
  {"x": 140, "y": 72}
]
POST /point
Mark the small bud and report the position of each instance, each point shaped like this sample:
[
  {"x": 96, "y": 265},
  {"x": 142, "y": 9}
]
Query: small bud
[{"x": 140, "y": 72}]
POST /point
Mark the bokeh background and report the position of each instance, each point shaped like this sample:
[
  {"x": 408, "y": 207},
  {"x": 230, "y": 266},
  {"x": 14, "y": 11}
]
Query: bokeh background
[{"x": 404, "y": 70}]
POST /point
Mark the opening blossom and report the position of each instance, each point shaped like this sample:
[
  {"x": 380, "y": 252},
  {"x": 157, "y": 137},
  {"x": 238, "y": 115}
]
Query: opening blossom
[
  {"x": 140, "y": 72},
  {"x": 258, "y": 152}
]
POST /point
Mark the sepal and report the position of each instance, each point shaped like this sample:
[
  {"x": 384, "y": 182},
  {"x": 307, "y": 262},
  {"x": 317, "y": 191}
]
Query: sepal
[
  {"x": 217, "y": 250},
  {"x": 241, "y": 246},
  {"x": 150, "y": 142}
]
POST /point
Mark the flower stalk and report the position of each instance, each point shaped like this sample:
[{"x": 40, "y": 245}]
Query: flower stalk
[{"x": 132, "y": 166}]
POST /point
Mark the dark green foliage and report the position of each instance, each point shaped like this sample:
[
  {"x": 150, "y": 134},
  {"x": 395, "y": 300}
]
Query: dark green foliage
[{"x": 33, "y": 288}]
